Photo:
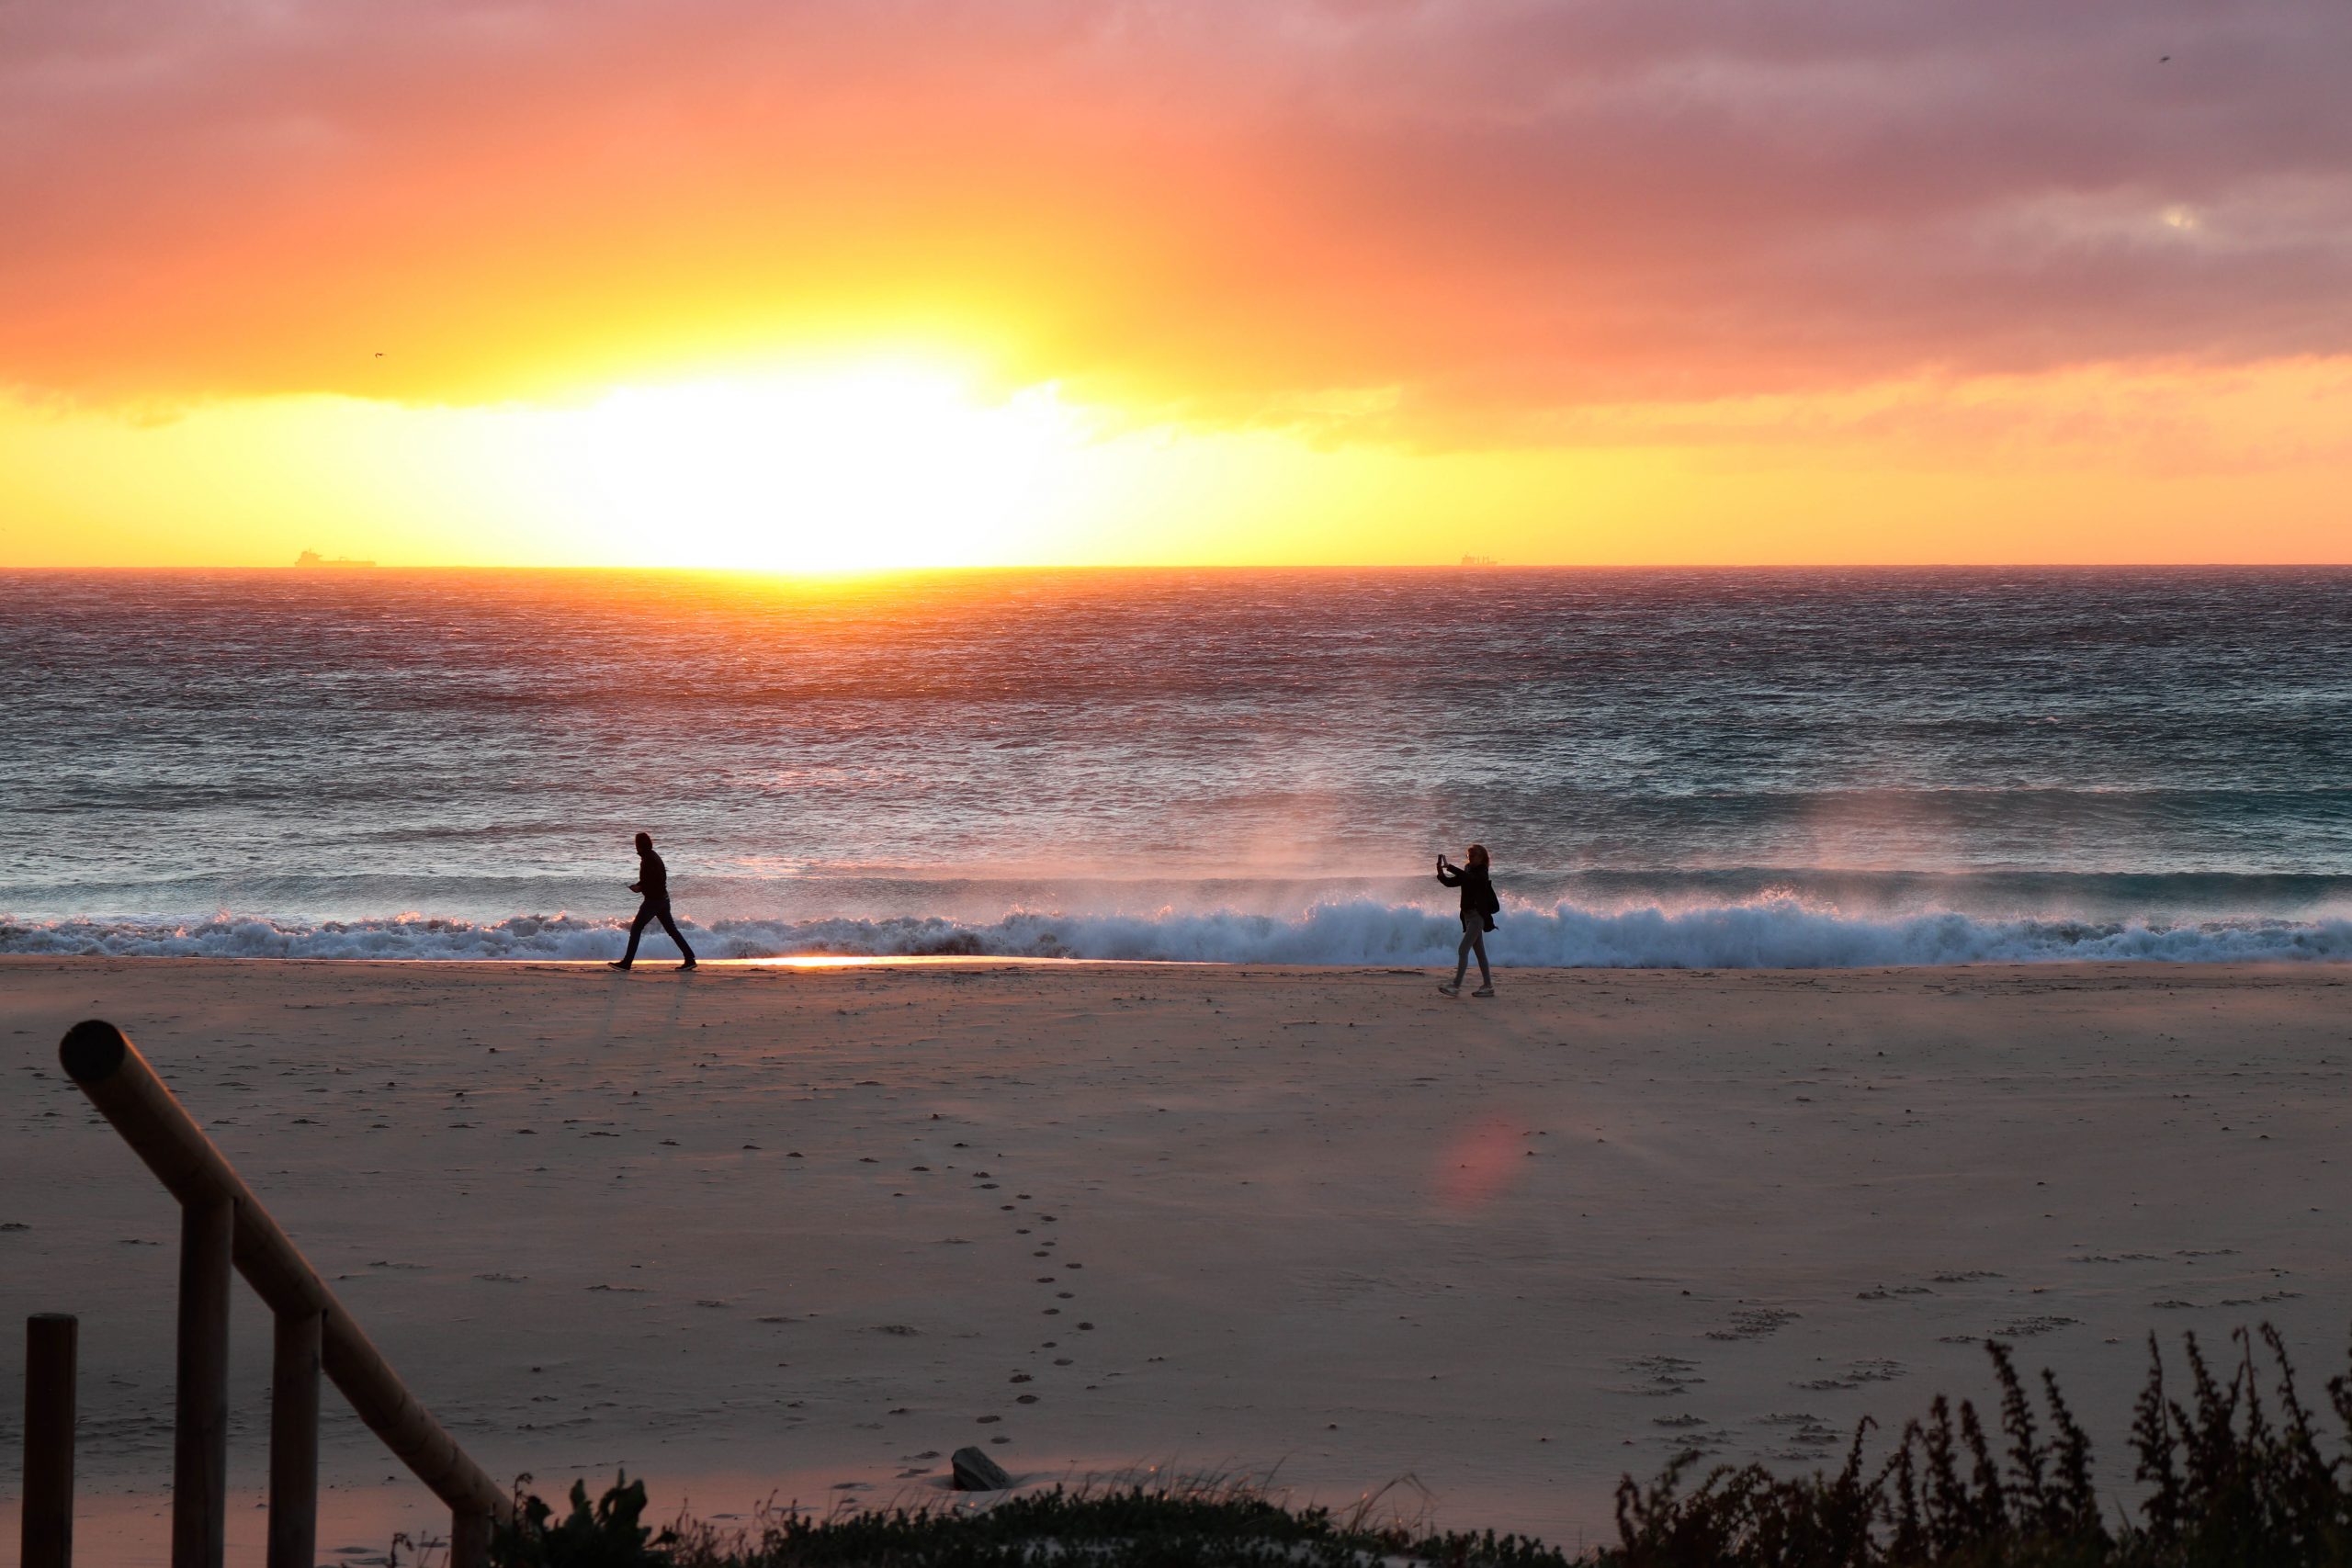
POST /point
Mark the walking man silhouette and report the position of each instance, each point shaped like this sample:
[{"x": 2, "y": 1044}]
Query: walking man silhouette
[{"x": 652, "y": 883}]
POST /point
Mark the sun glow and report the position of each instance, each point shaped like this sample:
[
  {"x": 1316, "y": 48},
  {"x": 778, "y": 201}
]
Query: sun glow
[
  {"x": 851, "y": 470},
  {"x": 896, "y": 459}
]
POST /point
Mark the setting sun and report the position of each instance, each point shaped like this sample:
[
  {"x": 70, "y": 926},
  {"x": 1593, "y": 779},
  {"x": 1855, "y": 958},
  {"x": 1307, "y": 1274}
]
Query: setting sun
[
  {"x": 827, "y": 288},
  {"x": 843, "y": 469}
]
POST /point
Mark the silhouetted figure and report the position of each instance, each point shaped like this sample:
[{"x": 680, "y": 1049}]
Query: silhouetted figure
[
  {"x": 1479, "y": 907},
  {"x": 653, "y": 884}
]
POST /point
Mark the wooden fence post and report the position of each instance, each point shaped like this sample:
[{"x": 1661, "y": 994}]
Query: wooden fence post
[
  {"x": 51, "y": 1343},
  {"x": 468, "y": 1539},
  {"x": 200, "y": 1432},
  {"x": 294, "y": 1439},
  {"x": 221, "y": 1224}
]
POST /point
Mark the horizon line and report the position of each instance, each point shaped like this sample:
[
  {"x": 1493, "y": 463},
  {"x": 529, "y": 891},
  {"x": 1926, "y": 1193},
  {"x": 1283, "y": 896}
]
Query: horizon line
[{"x": 362, "y": 569}]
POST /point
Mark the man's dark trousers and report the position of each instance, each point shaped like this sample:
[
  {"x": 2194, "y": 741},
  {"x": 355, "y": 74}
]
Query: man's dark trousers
[{"x": 647, "y": 913}]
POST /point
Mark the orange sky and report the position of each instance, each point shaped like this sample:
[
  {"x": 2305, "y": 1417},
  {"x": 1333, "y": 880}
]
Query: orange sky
[{"x": 852, "y": 283}]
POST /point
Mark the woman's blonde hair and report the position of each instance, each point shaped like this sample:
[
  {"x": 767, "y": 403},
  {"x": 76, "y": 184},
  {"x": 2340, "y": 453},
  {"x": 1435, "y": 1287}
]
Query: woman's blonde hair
[{"x": 1477, "y": 854}]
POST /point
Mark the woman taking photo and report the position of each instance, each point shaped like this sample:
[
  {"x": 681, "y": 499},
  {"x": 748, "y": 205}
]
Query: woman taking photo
[{"x": 1479, "y": 907}]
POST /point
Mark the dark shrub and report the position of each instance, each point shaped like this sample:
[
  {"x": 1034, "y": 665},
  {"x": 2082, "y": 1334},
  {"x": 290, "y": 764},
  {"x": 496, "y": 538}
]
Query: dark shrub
[{"x": 2227, "y": 1484}]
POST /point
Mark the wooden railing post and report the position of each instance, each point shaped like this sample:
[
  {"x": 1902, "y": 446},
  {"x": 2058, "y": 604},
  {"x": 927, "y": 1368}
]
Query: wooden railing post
[
  {"x": 200, "y": 1433},
  {"x": 468, "y": 1539},
  {"x": 221, "y": 1222},
  {"x": 294, "y": 1439},
  {"x": 51, "y": 1345}
]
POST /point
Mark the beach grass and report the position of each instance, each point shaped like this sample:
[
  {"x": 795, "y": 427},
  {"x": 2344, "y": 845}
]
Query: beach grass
[
  {"x": 2226, "y": 1480},
  {"x": 1168, "y": 1521},
  {"x": 2228, "y": 1477}
]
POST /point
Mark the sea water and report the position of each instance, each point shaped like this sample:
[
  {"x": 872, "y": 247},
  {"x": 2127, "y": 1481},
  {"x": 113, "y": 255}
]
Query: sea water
[{"x": 1697, "y": 768}]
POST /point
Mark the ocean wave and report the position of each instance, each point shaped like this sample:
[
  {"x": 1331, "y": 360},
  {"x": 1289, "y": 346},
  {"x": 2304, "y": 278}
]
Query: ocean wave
[{"x": 1763, "y": 933}]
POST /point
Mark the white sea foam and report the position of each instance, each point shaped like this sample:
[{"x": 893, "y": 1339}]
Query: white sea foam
[{"x": 1766, "y": 933}]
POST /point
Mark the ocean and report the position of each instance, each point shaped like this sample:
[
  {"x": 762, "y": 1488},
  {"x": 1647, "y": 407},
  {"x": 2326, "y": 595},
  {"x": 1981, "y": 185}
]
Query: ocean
[{"x": 1687, "y": 768}]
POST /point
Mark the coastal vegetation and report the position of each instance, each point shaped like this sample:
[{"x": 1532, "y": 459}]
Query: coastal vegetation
[{"x": 2228, "y": 1477}]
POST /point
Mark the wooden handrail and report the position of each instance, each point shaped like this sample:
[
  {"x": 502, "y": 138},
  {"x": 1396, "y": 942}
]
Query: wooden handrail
[{"x": 102, "y": 1061}]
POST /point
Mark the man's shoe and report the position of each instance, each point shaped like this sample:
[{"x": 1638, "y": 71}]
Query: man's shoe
[
  {"x": 687, "y": 965},
  {"x": 1484, "y": 991},
  {"x": 619, "y": 963},
  {"x": 1449, "y": 989}
]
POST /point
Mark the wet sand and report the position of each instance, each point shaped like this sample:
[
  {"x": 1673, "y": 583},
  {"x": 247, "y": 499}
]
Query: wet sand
[{"x": 808, "y": 1231}]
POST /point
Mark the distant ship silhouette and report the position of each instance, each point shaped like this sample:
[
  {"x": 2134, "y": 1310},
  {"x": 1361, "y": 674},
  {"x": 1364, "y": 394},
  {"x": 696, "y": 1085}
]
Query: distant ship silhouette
[
  {"x": 1479, "y": 560},
  {"x": 312, "y": 559}
]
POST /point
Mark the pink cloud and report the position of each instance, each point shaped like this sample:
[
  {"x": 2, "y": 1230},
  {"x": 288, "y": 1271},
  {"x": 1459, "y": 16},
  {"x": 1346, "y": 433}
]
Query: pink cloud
[{"x": 1489, "y": 208}]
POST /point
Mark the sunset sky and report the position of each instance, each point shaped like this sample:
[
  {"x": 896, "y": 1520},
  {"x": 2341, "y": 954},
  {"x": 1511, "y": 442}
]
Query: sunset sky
[{"x": 861, "y": 283}]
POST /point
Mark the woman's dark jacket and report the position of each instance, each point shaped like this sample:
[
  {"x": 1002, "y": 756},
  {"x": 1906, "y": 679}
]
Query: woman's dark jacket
[{"x": 1478, "y": 892}]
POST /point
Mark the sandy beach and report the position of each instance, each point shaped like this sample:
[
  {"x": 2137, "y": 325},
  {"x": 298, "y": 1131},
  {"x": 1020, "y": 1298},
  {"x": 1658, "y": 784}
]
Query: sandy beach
[{"x": 806, "y": 1231}]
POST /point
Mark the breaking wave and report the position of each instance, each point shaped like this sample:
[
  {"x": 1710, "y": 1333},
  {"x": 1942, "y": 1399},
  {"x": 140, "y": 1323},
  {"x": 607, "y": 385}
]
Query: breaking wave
[{"x": 1765, "y": 933}]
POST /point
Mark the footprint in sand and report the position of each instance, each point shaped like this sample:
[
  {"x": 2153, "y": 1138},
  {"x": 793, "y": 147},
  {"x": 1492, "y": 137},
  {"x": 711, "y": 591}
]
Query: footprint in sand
[
  {"x": 1807, "y": 1442},
  {"x": 1856, "y": 1375},
  {"x": 1668, "y": 1375},
  {"x": 1754, "y": 1323}
]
